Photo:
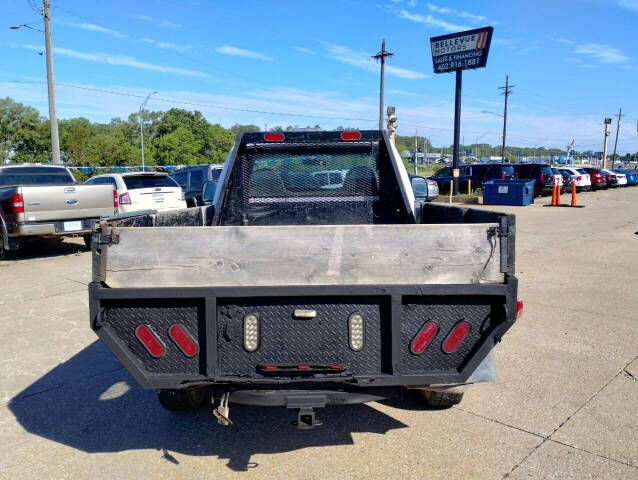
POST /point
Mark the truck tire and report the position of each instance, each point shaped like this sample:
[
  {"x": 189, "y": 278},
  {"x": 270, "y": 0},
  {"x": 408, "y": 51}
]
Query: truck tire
[
  {"x": 183, "y": 398},
  {"x": 441, "y": 399},
  {"x": 4, "y": 253}
]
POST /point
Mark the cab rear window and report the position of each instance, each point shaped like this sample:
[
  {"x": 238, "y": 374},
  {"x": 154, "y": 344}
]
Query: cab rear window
[
  {"x": 35, "y": 176},
  {"x": 135, "y": 182}
]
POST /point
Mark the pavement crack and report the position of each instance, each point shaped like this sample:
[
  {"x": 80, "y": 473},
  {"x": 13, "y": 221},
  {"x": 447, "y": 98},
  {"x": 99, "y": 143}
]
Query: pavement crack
[
  {"x": 629, "y": 375},
  {"x": 593, "y": 453}
]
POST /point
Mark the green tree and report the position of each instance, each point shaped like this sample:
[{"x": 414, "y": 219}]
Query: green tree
[
  {"x": 179, "y": 147},
  {"x": 23, "y": 134}
]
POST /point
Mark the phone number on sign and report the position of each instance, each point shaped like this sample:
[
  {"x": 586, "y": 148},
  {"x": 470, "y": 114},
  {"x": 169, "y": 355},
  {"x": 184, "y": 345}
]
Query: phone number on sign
[{"x": 453, "y": 65}]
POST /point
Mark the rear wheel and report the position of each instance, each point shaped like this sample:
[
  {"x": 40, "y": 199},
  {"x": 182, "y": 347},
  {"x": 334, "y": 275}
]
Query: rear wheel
[
  {"x": 183, "y": 398},
  {"x": 441, "y": 399},
  {"x": 5, "y": 254}
]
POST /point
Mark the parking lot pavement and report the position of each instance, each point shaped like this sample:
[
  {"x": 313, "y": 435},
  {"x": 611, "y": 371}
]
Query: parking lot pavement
[{"x": 566, "y": 405}]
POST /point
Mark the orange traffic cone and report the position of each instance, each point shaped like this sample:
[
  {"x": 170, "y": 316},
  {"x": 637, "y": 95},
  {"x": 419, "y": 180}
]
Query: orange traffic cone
[
  {"x": 555, "y": 200},
  {"x": 574, "y": 203}
]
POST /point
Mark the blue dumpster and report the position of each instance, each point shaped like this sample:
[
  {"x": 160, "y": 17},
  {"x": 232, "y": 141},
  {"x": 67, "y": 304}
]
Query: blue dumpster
[{"x": 508, "y": 192}]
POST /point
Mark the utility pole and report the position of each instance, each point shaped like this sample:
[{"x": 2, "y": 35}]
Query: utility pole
[
  {"x": 381, "y": 57},
  {"x": 613, "y": 160},
  {"x": 607, "y": 123},
  {"x": 507, "y": 91},
  {"x": 416, "y": 149},
  {"x": 141, "y": 126},
  {"x": 53, "y": 120}
]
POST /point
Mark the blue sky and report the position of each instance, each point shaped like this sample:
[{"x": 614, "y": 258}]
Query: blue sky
[{"x": 573, "y": 62}]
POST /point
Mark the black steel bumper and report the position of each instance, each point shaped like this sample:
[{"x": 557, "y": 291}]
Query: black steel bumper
[{"x": 213, "y": 317}]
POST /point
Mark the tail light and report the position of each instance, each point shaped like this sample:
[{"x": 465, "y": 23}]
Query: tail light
[
  {"x": 183, "y": 196},
  {"x": 125, "y": 199},
  {"x": 542, "y": 177},
  {"x": 17, "y": 203},
  {"x": 456, "y": 336},
  {"x": 356, "y": 331},
  {"x": 274, "y": 137},
  {"x": 579, "y": 178},
  {"x": 183, "y": 340},
  {"x": 116, "y": 204},
  {"x": 519, "y": 309},
  {"x": 151, "y": 342},
  {"x": 423, "y": 338},
  {"x": 251, "y": 332},
  {"x": 350, "y": 136}
]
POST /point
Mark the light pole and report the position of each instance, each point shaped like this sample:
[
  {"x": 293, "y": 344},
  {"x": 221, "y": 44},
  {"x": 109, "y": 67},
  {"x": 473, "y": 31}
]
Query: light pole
[
  {"x": 53, "y": 121},
  {"x": 141, "y": 125}
]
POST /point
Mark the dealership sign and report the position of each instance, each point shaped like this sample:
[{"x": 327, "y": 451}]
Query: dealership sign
[{"x": 462, "y": 50}]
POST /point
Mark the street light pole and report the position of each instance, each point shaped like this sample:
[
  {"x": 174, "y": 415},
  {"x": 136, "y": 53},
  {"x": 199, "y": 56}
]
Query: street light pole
[{"x": 141, "y": 126}]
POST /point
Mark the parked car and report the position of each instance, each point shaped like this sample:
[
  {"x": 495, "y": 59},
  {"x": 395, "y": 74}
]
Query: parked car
[
  {"x": 583, "y": 182},
  {"x": 598, "y": 179},
  {"x": 192, "y": 180},
  {"x": 143, "y": 191},
  {"x": 541, "y": 173},
  {"x": 477, "y": 173},
  {"x": 424, "y": 189},
  {"x": 45, "y": 201},
  {"x": 330, "y": 179},
  {"x": 621, "y": 178},
  {"x": 208, "y": 193},
  {"x": 632, "y": 177}
]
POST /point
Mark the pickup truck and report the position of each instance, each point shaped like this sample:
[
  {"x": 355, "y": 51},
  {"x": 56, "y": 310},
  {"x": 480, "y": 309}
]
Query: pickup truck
[
  {"x": 45, "y": 201},
  {"x": 287, "y": 293}
]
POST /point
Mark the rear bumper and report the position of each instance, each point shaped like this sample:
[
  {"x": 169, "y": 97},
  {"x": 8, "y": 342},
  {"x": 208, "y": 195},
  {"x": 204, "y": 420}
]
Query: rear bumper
[
  {"x": 393, "y": 315},
  {"x": 37, "y": 229}
]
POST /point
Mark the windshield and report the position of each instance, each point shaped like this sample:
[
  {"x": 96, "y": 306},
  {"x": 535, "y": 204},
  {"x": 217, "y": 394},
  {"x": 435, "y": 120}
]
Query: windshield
[
  {"x": 508, "y": 170},
  {"x": 35, "y": 176},
  {"x": 546, "y": 170},
  {"x": 134, "y": 182}
]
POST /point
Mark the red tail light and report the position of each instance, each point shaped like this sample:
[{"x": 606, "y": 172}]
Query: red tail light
[
  {"x": 579, "y": 178},
  {"x": 151, "y": 342},
  {"x": 115, "y": 201},
  {"x": 542, "y": 177},
  {"x": 423, "y": 338},
  {"x": 125, "y": 199},
  {"x": 270, "y": 368},
  {"x": 17, "y": 203},
  {"x": 183, "y": 340},
  {"x": 349, "y": 136},
  {"x": 303, "y": 367},
  {"x": 274, "y": 137},
  {"x": 503, "y": 176},
  {"x": 519, "y": 309},
  {"x": 456, "y": 336}
]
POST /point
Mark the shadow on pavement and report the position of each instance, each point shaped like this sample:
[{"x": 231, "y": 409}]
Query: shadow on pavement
[
  {"x": 43, "y": 248},
  {"x": 92, "y": 404}
]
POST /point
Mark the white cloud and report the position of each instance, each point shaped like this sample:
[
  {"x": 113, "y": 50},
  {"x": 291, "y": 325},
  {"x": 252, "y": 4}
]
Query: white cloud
[
  {"x": 240, "y": 52},
  {"x": 305, "y": 50},
  {"x": 587, "y": 65},
  {"x": 602, "y": 53},
  {"x": 471, "y": 17},
  {"x": 158, "y": 22},
  {"x": 166, "y": 45},
  {"x": 119, "y": 61},
  {"x": 430, "y": 20},
  {"x": 97, "y": 28},
  {"x": 364, "y": 60},
  {"x": 629, "y": 4}
]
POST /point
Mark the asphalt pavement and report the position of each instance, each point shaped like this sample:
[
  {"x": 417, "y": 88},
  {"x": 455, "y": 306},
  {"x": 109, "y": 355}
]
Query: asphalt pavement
[{"x": 565, "y": 406}]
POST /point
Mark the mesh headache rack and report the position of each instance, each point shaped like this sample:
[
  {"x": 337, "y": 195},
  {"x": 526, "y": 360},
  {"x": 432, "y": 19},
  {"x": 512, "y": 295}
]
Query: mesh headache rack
[{"x": 312, "y": 178}]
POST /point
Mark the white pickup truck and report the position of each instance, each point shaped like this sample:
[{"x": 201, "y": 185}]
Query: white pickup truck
[{"x": 46, "y": 201}]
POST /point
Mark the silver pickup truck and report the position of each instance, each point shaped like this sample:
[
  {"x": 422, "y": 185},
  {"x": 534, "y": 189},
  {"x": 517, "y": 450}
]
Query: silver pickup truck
[{"x": 46, "y": 201}]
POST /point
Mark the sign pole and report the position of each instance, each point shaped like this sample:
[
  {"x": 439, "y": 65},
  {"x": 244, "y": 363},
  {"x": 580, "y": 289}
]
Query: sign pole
[{"x": 457, "y": 128}]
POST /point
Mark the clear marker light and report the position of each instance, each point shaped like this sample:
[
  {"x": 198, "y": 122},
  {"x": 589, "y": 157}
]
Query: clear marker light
[
  {"x": 251, "y": 332},
  {"x": 356, "y": 331}
]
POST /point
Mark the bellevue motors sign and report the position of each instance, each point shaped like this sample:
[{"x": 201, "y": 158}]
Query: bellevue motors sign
[{"x": 462, "y": 50}]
